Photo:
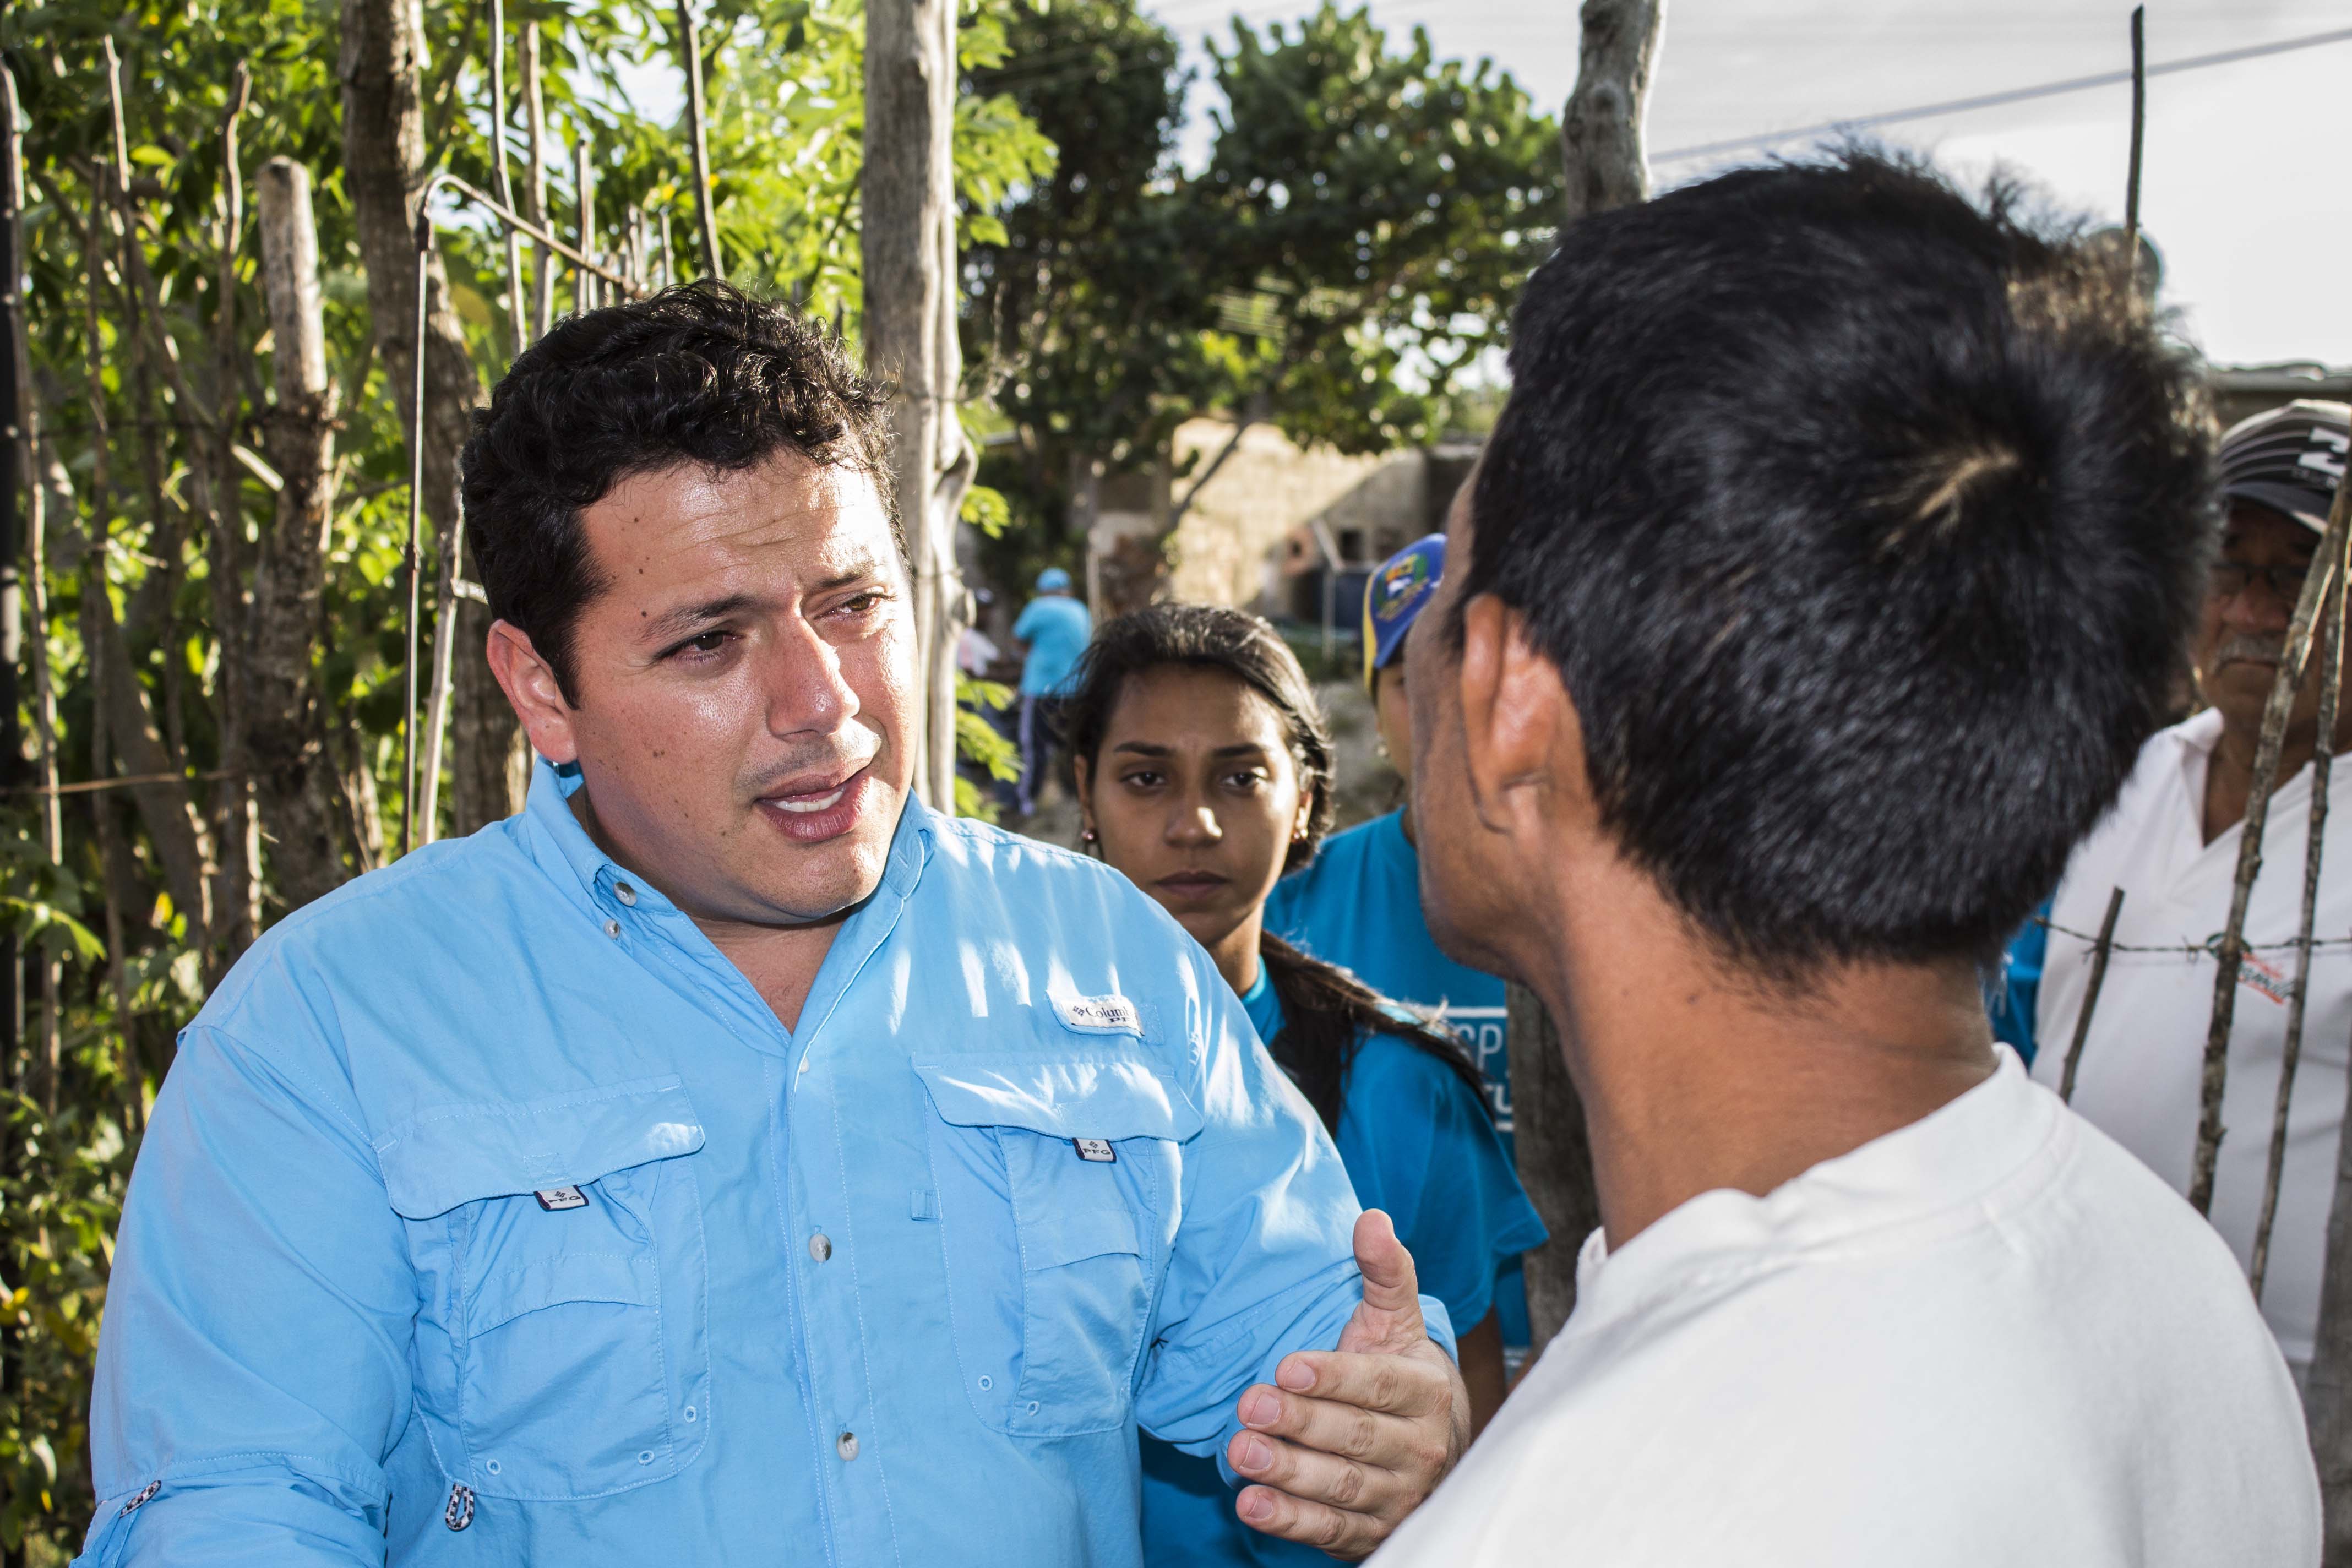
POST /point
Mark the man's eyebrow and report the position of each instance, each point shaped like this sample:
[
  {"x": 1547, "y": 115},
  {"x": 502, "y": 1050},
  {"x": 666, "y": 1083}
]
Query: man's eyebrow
[
  {"x": 674, "y": 623},
  {"x": 858, "y": 571}
]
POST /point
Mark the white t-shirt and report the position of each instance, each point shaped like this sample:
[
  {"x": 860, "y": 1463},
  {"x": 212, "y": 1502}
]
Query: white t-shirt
[
  {"x": 1988, "y": 1337},
  {"x": 2143, "y": 1063}
]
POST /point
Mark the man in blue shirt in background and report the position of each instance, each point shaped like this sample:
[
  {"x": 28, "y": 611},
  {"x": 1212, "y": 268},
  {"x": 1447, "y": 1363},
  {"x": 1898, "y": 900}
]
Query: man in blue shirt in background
[
  {"x": 1055, "y": 627},
  {"x": 1358, "y": 904},
  {"x": 728, "y": 1159}
]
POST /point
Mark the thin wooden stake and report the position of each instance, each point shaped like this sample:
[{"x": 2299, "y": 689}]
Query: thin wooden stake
[
  {"x": 534, "y": 109},
  {"x": 416, "y": 526},
  {"x": 2091, "y": 995},
  {"x": 504, "y": 185},
  {"x": 2138, "y": 134},
  {"x": 2323, "y": 762},
  {"x": 585, "y": 180},
  {"x": 689, "y": 48},
  {"x": 668, "y": 260},
  {"x": 2293, "y": 659}
]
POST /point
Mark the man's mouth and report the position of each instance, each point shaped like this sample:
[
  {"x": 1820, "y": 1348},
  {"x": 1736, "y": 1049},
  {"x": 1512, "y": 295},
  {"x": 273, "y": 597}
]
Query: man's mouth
[
  {"x": 811, "y": 802},
  {"x": 814, "y": 809},
  {"x": 2249, "y": 650}
]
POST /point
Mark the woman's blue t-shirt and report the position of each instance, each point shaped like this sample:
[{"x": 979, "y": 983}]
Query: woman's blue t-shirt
[{"x": 1418, "y": 1145}]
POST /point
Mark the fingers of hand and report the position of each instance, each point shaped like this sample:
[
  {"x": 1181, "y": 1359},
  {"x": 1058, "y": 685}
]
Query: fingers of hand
[
  {"x": 1391, "y": 1281},
  {"x": 1313, "y": 1477},
  {"x": 1416, "y": 1383},
  {"x": 1344, "y": 1535}
]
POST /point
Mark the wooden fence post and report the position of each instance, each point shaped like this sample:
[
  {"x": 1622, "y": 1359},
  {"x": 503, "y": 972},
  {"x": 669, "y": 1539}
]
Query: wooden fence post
[
  {"x": 908, "y": 246},
  {"x": 2328, "y": 1393},
  {"x": 2091, "y": 995},
  {"x": 2323, "y": 763},
  {"x": 2233, "y": 953},
  {"x": 1604, "y": 167}
]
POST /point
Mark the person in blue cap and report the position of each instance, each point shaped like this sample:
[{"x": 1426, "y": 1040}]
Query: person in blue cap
[
  {"x": 1357, "y": 904},
  {"x": 1205, "y": 769},
  {"x": 1054, "y": 626}
]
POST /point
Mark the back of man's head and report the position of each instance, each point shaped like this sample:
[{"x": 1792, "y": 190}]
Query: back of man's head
[{"x": 1866, "y": 525}]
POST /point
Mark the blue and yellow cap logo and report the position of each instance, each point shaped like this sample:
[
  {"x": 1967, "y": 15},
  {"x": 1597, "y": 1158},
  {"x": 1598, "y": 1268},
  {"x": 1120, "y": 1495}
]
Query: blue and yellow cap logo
[{"x": 1393, "y": 598}]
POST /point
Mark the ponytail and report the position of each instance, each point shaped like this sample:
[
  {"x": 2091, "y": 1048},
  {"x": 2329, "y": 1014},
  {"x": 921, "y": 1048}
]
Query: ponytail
[{"x": 1325, "y": 1013}]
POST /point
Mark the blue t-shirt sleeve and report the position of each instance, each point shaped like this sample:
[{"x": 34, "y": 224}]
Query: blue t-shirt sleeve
[
  {"x": 1025, "y": 628},
  {"x": 1418, "y": 1145},
  {"x": 2018, "y": 989}
]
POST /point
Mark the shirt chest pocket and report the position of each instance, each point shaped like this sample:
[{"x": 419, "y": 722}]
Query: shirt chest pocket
[
  {"x": 1053, "y": 1178},
  {"x": 561, "y": 1350}
]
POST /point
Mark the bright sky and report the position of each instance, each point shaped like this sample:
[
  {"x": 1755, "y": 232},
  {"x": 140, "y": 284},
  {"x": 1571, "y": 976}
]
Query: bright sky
[{"x": 2245, "y": 186}]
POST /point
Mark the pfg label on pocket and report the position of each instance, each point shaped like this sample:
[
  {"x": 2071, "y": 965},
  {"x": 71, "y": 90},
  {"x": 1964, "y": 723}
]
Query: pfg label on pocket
[
  {"x": 1096, "y": 1151},
  {"x": 1110, "y": 1014},
  {"x": 553, "y": 1199}
]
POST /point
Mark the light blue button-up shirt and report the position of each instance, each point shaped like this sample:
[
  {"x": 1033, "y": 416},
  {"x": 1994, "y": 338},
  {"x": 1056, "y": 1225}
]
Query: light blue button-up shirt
[{"x": 489, "y": 1216}]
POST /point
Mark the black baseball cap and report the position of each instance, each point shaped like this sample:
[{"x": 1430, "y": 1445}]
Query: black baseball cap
[{"x": 2290, "y": 459}]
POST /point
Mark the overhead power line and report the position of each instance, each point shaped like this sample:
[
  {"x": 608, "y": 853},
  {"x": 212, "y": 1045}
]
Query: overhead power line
[{"x": 1994, "y": 100}]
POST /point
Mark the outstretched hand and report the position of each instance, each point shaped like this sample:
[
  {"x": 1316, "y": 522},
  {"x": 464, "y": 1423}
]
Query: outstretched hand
[{"x": 1353, "y": 1439}]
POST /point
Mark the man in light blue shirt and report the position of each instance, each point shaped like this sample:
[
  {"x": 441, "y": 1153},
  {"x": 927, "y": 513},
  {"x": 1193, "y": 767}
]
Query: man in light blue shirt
[
  {"x": 727, "y": 1159},
  {"x": 1055, "y": 627}
]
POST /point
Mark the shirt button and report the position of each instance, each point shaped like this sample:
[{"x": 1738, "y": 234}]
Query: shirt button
[
  {"x": 625, "y": 893},
  {"x": 846, "y": 1443},
  {"x": 613, "y": 930},
  {"x": 820, "y": 1246}
]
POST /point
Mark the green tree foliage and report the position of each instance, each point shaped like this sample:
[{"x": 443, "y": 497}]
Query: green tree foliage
[
  {"x": 1349, "y": 252},
  {"x": 153, "y": 408}
]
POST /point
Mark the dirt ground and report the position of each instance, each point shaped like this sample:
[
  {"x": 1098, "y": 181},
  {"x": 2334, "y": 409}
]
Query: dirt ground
[{"x": 1367, "y": 785}]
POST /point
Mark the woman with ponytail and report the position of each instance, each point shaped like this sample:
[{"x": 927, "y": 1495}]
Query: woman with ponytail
[{"x": 1203, "y": 772}]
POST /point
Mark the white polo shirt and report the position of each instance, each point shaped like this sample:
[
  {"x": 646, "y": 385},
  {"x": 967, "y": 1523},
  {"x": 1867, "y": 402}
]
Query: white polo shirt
[
  {"x": 1990, "y": 1337},
  {"x": 2143, "y": 1062}
]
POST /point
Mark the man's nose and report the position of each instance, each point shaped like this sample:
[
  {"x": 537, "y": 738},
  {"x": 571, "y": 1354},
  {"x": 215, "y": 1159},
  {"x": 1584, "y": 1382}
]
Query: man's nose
[
  {"x": 2258, "y": 609},
  {"x": 802, "y": 682}
]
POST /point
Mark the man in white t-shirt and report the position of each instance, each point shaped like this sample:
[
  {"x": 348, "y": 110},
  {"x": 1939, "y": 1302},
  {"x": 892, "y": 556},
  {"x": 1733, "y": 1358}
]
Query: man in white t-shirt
[
  {"x": 2171, "y": 845},
  {"x": 1827, "y": 566}
]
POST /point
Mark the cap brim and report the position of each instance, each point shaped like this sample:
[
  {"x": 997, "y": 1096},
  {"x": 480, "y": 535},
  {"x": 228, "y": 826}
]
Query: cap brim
[{"x": 2291, "y": 500}]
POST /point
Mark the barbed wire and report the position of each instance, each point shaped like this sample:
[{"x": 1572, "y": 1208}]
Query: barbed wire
[{"x": 2210, "y": 948}]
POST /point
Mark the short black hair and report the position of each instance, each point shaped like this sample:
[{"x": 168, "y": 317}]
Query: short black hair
[
  {"x": 1865, "y": 524},
  {"x": 702, "y": 374}
]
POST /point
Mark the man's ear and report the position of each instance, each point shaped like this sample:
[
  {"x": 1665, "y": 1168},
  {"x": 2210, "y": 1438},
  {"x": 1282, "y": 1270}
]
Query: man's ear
[
  {"x": 533, "y": 691},
  {"x": 1523, "y": 747}
]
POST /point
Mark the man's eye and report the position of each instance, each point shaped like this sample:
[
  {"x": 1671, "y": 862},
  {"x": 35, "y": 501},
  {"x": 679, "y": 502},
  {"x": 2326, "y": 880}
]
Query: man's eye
[
  {"x": 707, "y": 644},
  {"x": 1142, "y": 780},
  {"x": 859, "y": 604}
]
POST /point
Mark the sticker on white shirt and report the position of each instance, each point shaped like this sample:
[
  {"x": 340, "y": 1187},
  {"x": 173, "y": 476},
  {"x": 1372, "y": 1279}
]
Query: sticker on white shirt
[
  {"x": 2265, "y": 978},
  {"x": 554, "y": 1198},
  {"x": 1096, "y": 1151},
  {"x": 1113, "y": 1013}
]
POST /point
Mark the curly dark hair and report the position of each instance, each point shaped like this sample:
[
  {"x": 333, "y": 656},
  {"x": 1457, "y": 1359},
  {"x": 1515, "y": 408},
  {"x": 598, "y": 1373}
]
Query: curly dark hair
[
  {"x": 1327, "y": 1012},
  {"x": 702, "y": 374}
]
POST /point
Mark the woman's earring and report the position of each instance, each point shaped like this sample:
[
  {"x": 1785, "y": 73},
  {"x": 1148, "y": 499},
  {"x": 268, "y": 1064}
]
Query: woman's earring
[{"x": 1088, "y": 835}]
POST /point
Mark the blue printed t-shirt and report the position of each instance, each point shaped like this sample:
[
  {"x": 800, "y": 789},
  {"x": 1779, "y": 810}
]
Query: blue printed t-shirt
[
  {"x": 2011, "y": 999},
  {"x": 1358, "y": 906},
  {"x": 1416, "y": 1143},
  {"x": 1055, "y": 626}
]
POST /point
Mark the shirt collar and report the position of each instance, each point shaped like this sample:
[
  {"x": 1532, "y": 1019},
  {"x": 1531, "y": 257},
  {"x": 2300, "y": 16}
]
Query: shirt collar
[{"x": 558, "y": 840}]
